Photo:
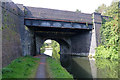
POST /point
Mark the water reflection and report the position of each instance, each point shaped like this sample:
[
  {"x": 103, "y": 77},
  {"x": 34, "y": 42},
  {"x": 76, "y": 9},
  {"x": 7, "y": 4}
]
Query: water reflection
[
  {"x": 83, "y": 67},
  {"x": 106, "y": 68}
]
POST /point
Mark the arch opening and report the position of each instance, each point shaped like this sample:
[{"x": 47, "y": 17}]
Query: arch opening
[
  {"x": 51, "y": 48},
  {"x": 61, "y": 48}
]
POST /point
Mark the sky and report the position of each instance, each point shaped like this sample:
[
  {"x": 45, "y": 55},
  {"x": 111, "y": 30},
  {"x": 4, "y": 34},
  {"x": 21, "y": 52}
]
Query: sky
[{"x": 85, "y": 6}]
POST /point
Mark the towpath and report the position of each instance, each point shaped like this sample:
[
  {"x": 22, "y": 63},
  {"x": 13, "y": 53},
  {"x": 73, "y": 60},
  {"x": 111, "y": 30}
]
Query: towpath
[{"x": 41, "y": 71}]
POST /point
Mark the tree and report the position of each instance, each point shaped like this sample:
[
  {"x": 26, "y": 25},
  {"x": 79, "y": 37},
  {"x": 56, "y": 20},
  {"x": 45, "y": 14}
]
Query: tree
[
  {"x": 101, "y": 9},
  {"x": 77, "y": 10},
  {"x": 56, "y": 49},
  {"x": 112, "y": 10},
  {"x": 110, "y": 34}
]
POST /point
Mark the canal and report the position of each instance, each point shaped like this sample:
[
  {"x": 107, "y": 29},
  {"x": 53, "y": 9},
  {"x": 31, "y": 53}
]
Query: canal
[{"x": 84, "y": 67}]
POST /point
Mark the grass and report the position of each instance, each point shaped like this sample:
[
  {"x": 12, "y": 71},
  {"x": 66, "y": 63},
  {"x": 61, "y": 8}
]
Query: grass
[
  {"x": 56, "y": 70},
  {"x": 0, "y": 74},
  {"x": 23, "y": 67}
]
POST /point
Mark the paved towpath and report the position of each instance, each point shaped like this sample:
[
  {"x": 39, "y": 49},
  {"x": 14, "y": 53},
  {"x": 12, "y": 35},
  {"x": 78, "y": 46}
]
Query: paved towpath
[{"x": 41, "y": 72}]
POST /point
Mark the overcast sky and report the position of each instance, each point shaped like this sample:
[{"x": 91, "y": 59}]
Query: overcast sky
[{"x": 86, "y": 6}]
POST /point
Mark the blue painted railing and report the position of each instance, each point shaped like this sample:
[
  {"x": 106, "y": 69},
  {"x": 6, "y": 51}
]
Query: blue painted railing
[{"x": 48, "y": 23}]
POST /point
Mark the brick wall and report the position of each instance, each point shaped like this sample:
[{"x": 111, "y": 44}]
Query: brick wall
[{"x": 11, "y": 42}]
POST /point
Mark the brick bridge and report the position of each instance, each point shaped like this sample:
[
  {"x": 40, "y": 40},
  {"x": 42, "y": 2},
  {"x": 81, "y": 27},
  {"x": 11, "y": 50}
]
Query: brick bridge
[{"x": 24, "y": 30}]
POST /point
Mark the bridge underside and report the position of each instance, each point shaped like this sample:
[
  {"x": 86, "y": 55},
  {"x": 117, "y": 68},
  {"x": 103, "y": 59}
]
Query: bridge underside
[
  {"x": 56, "y": 31},
  {"x": 73, "y": 41}
]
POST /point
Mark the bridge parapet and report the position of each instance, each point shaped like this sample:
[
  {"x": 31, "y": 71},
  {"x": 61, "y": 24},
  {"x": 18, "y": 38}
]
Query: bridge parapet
[
  {"x": 53, "y": 14},
  {"x": 54, "y": 23}
]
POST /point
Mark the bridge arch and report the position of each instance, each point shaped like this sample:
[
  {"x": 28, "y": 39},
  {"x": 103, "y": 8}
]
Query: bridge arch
[{"x": 65, "y": 46}]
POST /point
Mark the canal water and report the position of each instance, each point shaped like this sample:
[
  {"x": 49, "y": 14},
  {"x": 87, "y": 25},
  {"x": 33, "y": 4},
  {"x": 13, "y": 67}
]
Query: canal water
[{"x": 84, "y": 67}]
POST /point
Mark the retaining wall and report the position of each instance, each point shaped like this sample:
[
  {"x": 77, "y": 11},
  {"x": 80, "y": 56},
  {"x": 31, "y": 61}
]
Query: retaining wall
[{"x": 11, "y": 24}]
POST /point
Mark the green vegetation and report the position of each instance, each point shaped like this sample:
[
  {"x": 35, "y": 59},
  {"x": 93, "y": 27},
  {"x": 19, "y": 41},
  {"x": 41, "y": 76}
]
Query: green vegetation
[
  {"x": 23, "y": 67},
  {"x": 0, "y": 74},
  {"x": 53, "y": 63},
  {"x": 77, "y": 10},
  {"x": 101, "y": 9},
  {"x": 45, "y": 45},
  {"x": 111, "y": 10},
  {"x": 42, "y": 49},
  {"x": 56, "y": 70},
  {"x": 109, "y": 34},
  {"x": 105, "y": 66},
  {"x": 56, "y": 50}
]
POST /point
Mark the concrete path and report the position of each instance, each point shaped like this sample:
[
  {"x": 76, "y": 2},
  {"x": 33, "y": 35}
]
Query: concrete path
[{"x": 41, "y": 72}]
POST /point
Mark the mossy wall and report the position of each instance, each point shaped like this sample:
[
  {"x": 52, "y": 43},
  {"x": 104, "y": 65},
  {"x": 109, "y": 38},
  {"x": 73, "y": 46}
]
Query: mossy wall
[{"x": 11, "y": 41}]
